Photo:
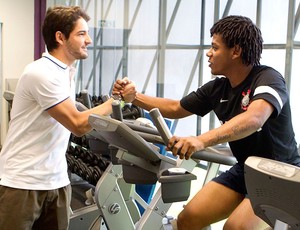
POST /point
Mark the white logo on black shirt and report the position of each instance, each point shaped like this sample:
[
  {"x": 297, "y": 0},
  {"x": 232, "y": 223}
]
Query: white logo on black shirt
[{"x": 223, "y": 100}]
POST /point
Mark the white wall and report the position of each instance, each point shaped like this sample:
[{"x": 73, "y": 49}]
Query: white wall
[{"x": 17, "y": 17}]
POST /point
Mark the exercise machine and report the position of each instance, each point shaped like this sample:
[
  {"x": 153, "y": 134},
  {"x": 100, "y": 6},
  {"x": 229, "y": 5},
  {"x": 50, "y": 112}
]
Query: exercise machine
[
  {"x": 138, "y": 161},
  {"x": 273, "y": 189}
]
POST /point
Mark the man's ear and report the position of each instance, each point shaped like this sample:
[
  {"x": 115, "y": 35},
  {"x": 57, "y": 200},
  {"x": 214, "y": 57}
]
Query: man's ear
[
  {"x": 60, "y": 37},
  {"x": 236, "y": 51}
]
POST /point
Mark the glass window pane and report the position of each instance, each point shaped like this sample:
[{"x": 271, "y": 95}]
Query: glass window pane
[
  {"x": 185, "y": 29},
  {"x": 274, "y": 21}
]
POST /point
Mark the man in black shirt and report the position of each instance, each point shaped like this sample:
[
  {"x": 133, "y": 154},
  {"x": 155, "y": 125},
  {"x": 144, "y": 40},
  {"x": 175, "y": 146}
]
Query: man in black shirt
[{"x": 252, "y": 103}]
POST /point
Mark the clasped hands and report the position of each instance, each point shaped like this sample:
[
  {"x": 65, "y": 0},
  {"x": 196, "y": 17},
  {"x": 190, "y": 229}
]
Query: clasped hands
[
  {"x": 183, "y": 147},
  {"x": 126, "y": 89}
]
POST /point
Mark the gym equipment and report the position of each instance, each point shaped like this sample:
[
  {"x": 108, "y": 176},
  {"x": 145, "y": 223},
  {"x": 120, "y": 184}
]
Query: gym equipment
[
  {"x": 88, "y": 158},
  {"x": 139, "y": 161},
  {"x": 9, "y": 96},
  {"x": 273, "y": 189}
]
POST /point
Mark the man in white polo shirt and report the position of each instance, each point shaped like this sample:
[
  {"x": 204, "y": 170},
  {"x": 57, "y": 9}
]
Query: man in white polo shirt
[{"x": 35, "y": 189}]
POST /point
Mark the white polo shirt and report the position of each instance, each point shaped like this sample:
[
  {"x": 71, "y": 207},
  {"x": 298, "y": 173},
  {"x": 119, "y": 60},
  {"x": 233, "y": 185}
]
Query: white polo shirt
[{"x": 33, "y": 155}]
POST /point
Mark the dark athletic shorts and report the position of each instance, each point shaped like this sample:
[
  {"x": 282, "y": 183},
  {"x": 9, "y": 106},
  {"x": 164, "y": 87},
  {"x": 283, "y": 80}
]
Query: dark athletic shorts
[{"x": 233, "y": 178}]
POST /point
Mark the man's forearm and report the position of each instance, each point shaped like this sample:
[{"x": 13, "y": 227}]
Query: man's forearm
[{"x": 168, "y": 108}]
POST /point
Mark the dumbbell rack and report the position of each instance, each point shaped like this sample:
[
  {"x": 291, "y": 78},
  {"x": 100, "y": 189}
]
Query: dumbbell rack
[{"x": 85, "y": 163}]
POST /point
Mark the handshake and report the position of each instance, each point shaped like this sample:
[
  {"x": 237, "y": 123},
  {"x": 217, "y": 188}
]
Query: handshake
[{"x": 125, "y": 89}]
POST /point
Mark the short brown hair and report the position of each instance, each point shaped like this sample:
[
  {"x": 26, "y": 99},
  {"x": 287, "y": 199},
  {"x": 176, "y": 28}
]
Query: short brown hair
[{"x": 63, "y": 19}]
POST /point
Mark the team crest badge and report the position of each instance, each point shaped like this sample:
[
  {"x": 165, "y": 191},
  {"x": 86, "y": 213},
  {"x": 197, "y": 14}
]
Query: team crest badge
[{"x": 245, "y": 100}]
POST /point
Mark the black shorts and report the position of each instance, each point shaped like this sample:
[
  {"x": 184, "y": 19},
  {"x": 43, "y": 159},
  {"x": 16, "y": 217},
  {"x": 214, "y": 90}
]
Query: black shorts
[{"x": 233, "y": 178}]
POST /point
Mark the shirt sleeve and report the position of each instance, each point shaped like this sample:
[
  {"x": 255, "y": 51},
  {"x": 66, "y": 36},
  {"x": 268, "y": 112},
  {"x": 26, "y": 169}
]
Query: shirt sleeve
[
  {"x": 272, "y": 88},
  {"x": 203, "y": 100},
  {"x": 47, "y": 87}
]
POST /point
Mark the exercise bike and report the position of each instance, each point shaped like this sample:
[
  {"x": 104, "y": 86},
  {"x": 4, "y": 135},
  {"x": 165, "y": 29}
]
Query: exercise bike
[
  {"x": 139, "y": 162},
  {"x": 273, "y": 189}
]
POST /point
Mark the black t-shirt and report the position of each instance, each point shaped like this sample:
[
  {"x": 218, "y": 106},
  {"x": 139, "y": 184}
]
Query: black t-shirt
[{"x": 276, "y": 139}]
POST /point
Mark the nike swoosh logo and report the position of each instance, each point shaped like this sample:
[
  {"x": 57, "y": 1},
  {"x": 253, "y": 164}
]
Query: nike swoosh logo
[{"x": 222, "y": 101}]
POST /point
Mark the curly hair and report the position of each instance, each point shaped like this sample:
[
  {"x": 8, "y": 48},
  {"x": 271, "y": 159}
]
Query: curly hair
[
  {"x": 241, "y": 31},
  {"x": 63, "y": 19}
]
